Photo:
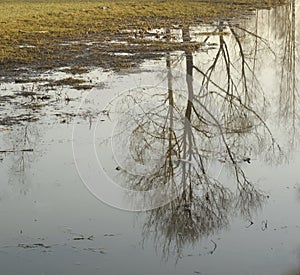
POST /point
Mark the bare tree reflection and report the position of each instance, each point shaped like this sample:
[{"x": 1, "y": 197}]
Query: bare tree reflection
[
  {"x": 185, "y": 135},
  {"x": 194, "y": 136},
  {"x": 289, "y": 94},
  {"x": 22, "y": 144}
]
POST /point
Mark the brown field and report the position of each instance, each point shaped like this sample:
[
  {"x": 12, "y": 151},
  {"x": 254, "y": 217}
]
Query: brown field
[{"x": 38, "y": 31}]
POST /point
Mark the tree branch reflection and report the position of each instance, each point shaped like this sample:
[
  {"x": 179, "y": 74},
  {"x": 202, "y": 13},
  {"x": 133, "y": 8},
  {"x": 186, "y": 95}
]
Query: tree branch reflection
[{"x": 217, "y": 120}]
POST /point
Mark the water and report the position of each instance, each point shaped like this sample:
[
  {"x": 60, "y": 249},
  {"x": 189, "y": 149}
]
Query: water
[{"x": 242, "y": 218}]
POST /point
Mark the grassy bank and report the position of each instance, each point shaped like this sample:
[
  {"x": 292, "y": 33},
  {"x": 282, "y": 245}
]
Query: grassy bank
[{"x": 36, "y": 31}]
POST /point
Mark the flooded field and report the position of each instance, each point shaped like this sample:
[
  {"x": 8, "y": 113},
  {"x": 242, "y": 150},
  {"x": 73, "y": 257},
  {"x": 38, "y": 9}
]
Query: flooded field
[{"x": 181, "y": 162}]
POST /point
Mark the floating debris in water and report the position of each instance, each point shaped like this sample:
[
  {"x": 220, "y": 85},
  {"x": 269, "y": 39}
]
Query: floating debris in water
[
  {"x": 96, "y": 250},
  {"x": 90, "y": 238},
  {"x": 35, "y": 245}
]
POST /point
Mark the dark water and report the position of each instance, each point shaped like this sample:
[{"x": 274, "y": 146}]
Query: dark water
[{"x": 218, "y": 127}]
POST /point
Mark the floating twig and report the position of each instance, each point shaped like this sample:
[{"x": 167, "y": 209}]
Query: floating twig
[
  {"x": 264, "y": 225},
  {"x": 35, "y": 245},
  {"x": 16, "y": 151},
  {"x": 214, "y": 249},
  {"x": 251, "y": 223},
  {"x": 90, "y": 238}
]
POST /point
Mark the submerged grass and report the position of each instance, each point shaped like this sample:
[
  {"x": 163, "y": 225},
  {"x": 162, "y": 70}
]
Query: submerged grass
[{"x": 34, "y": 31}]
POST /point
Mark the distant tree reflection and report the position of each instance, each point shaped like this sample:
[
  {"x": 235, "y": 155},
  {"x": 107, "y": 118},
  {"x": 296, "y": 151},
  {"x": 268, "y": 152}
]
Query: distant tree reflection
[
  {"x": 288, "y": 99},
  {"x": 21, "y": 145}
]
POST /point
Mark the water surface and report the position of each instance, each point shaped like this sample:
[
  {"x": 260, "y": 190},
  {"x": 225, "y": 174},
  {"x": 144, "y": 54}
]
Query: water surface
[{"x": 220, "y": 125}]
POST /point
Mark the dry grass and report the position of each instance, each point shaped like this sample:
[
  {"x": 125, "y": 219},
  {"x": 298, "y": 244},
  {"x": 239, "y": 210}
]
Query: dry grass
[{"x": 32, "y": 30}]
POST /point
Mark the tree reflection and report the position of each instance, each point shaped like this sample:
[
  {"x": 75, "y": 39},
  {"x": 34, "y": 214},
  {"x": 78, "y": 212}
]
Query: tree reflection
[
  {"x": 21, "y": 142},
  {"x": 216, "y": 120},
  {"x": 288, "y": 95},
  {"x": 204, "y": 204}
]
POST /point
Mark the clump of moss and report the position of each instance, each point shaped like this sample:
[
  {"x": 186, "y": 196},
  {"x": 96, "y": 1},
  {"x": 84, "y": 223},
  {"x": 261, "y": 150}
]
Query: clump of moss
[
  {"x": 83, "y": 87},
  {"x": 76, "y": 70},
  {"x": 70, "y": 81}
]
